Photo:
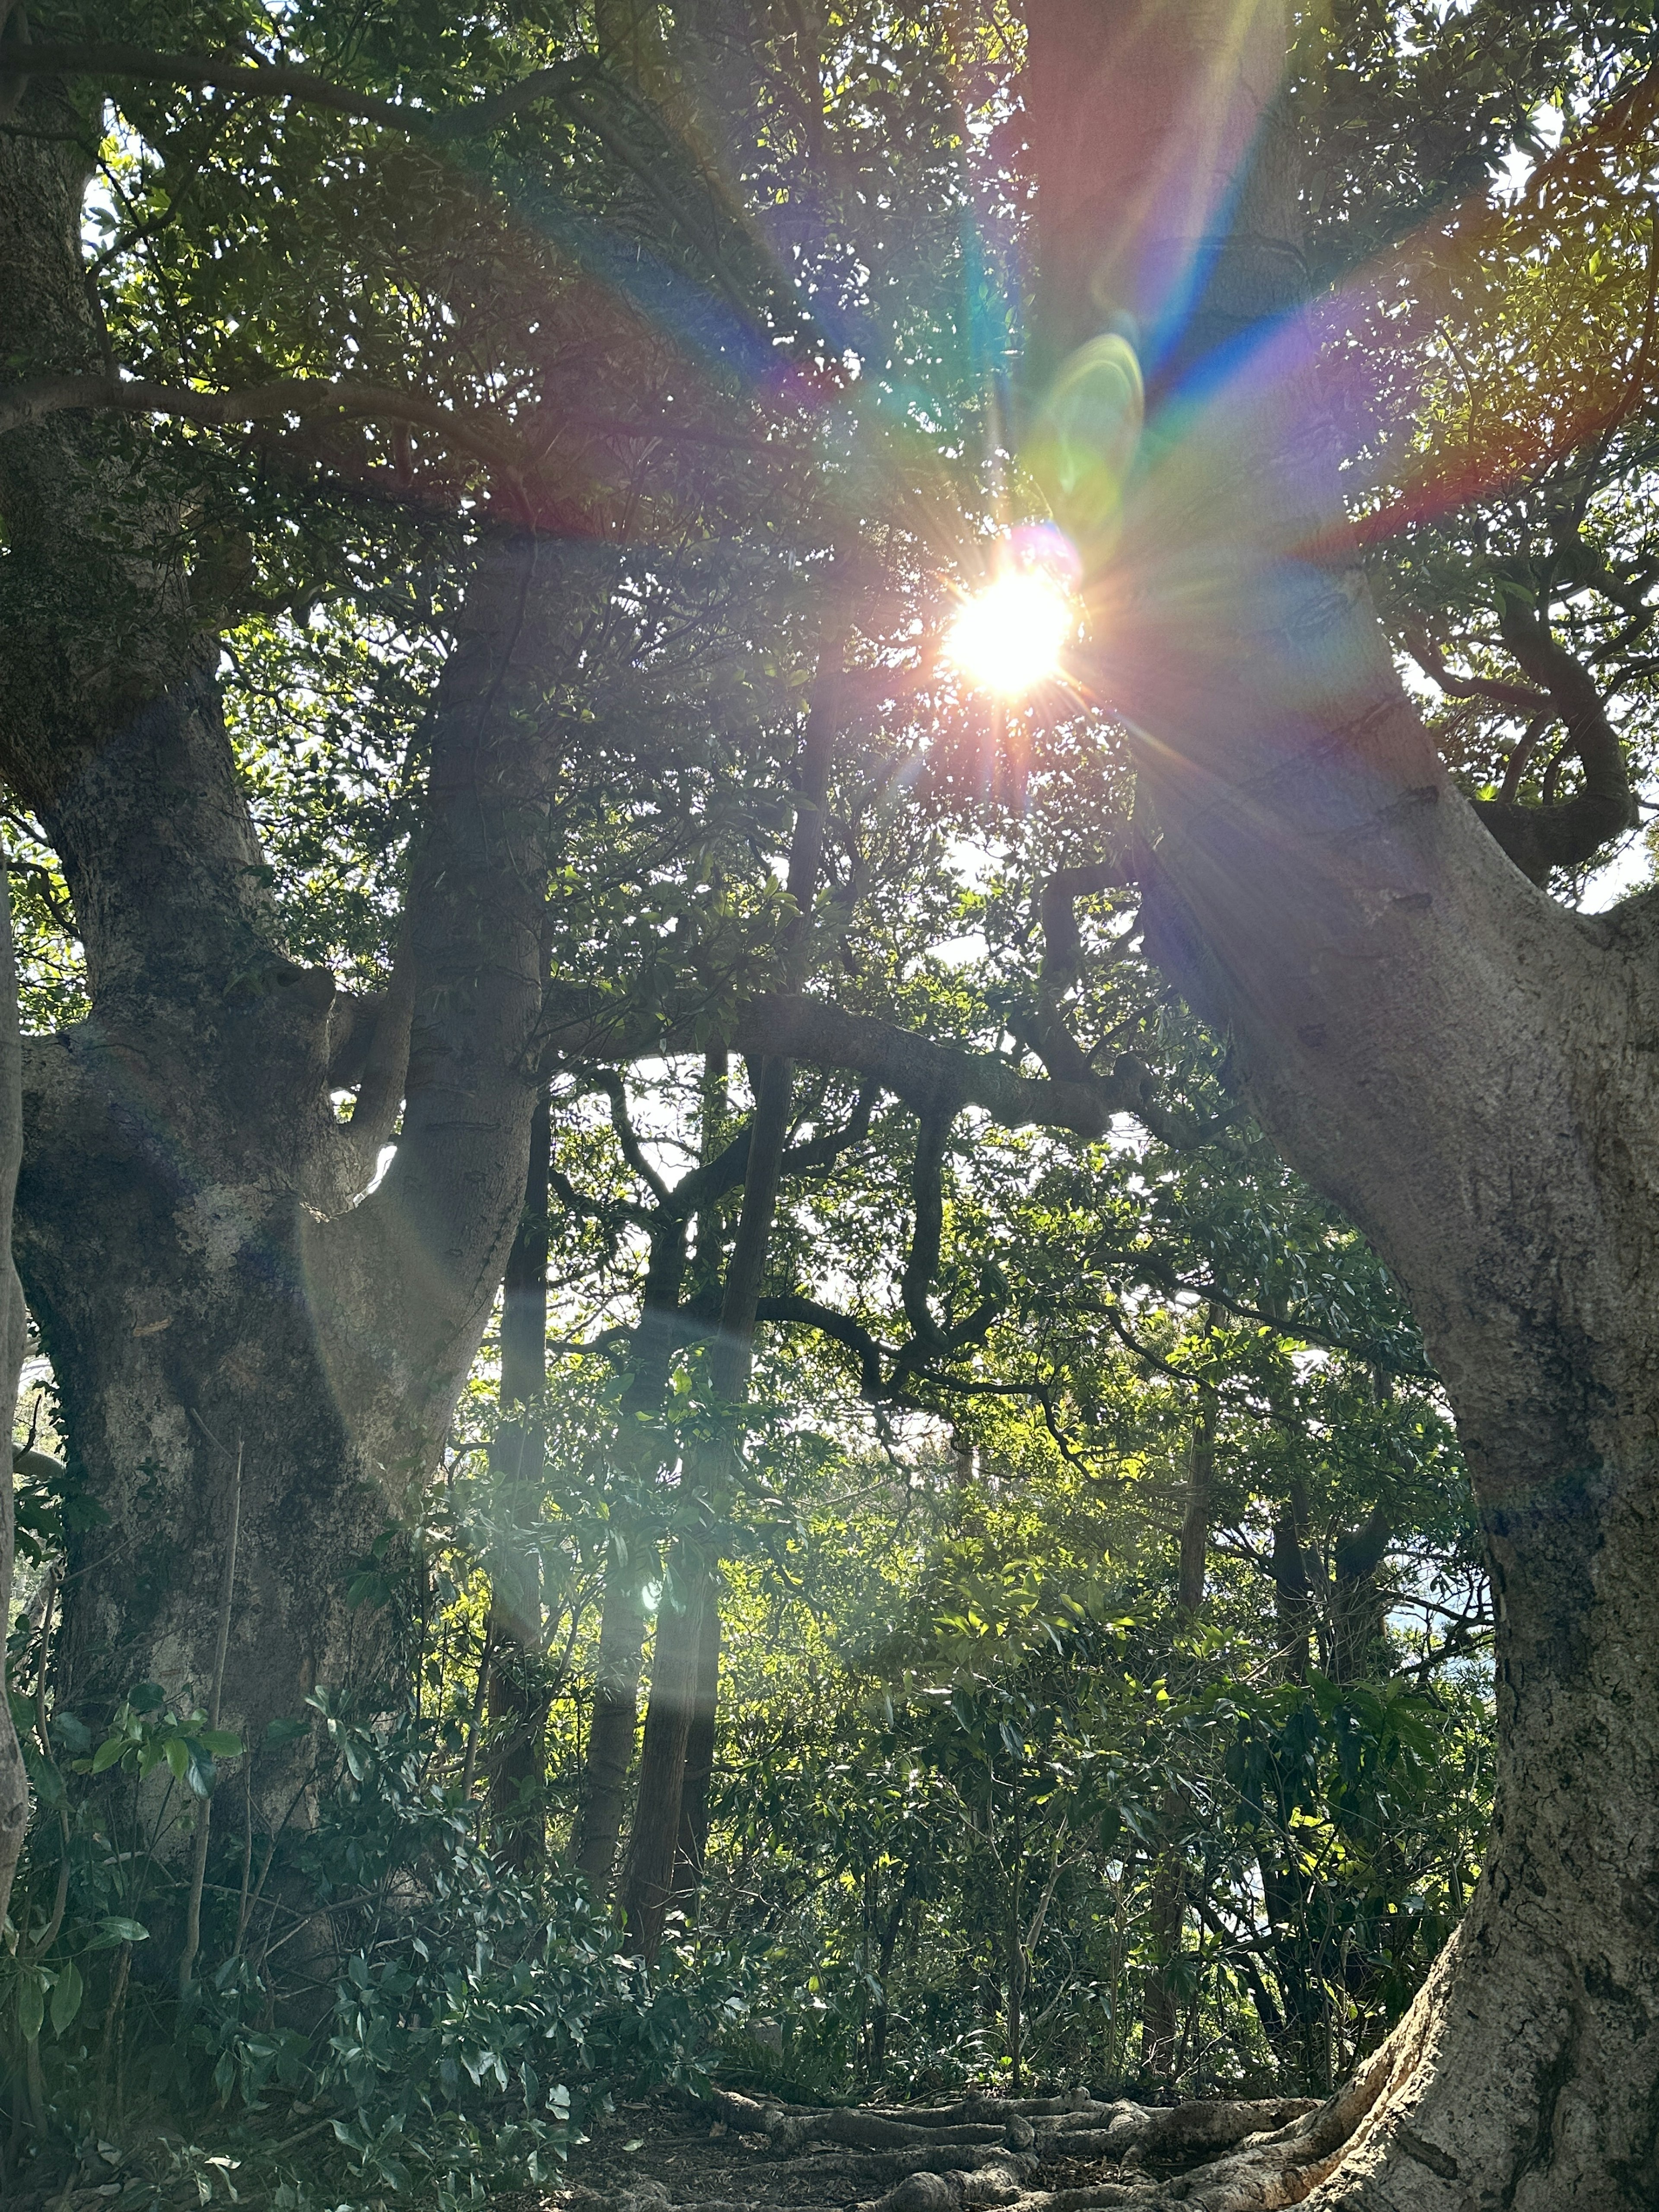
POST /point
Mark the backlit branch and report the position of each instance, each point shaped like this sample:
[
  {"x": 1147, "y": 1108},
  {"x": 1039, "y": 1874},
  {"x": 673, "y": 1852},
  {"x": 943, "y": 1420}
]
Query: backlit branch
[
  {"x": 311, "y": 399},
  {"x": 240, "y": 74}
]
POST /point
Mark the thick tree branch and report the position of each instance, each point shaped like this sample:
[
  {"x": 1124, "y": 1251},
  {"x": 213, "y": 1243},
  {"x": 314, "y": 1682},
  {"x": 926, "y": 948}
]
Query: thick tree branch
[
  {"x": 1566, "y": 833},
  {"x": 932, "y": 1078},
  {"x": 249, "y": 78},
  {"x": 1062, "y": 942},
  {"x": 313, "y": 398}
]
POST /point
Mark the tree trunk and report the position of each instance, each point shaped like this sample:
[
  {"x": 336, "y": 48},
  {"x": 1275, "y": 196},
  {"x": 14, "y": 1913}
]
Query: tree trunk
[
  {"x": 1169, "y": 1902},
  {"x": 1358, "y": 1607},
  {"x": 692, "y": 1843},
  {"x": 675, "y": 1669},
  {"x": 655, "y": 1833},
  {"x": 1293, "y": 1608},
  {"x": 14, "y": 1782},
  {"x": 1441, "y": 1051},
  {"x": 518, "y": 1697},
  {"x": 622, "y": 1619},
  {"x": 630, "y": 1563},
  {"x": 202, "y": 1252}
]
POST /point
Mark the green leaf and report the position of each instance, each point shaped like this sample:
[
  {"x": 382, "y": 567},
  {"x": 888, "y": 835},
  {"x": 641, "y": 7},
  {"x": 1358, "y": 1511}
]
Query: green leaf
[
  {"x": 66, "y": 1997},
  {"x": 220, "y": 1742},
  {"x": 286, "y": 1730},
  {"x": 178, "y": 1756},
  {"x": 31, "y": 2006},
  {"x": 113, "y": 1928},
  {"x": 113, "y": 1748}
]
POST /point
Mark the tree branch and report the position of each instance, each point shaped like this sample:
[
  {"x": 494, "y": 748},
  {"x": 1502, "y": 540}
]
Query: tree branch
[
  {"x": 628, "y": 1138},
  {"x": 235, "y": 72},
  {"x": 1429, "y": 658},
  {"x": 312, "y": 398},
  {"x": 1563, "y": 834},
  {"x": 932, "y": 1078}
]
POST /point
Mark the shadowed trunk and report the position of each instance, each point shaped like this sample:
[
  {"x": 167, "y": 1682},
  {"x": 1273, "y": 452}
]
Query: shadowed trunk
[
  {"x": 195, "y": 1226},
  {"x": 14, "y": 1782},
  {"x": 692, "y": 1842},
  {"x": 631, "y": 1562},
  {"x": 518, "y": 1695},
  {"x": 1459, "y": 1063},
  {"x": 1169, "y": 1902}
]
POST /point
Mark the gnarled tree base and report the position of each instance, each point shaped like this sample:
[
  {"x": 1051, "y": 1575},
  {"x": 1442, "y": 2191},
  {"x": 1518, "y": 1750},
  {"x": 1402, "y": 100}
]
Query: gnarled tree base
[{"x": 1495, "y": 2091}]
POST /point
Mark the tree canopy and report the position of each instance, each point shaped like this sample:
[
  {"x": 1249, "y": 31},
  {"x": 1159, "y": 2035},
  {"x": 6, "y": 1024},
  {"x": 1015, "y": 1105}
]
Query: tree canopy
[{"x": 1021, "y": 1215}]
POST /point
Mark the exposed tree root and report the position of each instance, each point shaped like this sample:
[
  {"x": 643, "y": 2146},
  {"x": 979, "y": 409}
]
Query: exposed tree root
[{"x": 1360, "y": 2147}]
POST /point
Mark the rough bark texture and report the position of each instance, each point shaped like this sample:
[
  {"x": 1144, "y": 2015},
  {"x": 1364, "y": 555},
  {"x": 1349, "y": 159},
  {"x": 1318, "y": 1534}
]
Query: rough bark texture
[
  {"x": 204, "y": 1265},
  {"x": 1462, "y": 1066}
]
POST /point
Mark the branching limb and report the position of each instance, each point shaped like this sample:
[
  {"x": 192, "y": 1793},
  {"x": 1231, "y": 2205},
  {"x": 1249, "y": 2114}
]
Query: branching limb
[
  {"x": 628, "y": 1137},
  {"x": 932, "y": 1078},
  {"x": 1432, "y": 662},
  {"x": 243, "y": 75},
  {"x": 1562, "y": 834},
  {"x": 314, "y": 399}
]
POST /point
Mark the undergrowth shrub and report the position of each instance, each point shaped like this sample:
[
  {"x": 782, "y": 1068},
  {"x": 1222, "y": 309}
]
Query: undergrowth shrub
[{"x": 436, "y": 2020}]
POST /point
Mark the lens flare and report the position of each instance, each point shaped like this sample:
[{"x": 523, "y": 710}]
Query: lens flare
[{"x": 1012, "y": 636}]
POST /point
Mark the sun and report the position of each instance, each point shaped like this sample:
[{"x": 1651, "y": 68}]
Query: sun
[{"x": 1012, "y": 636}]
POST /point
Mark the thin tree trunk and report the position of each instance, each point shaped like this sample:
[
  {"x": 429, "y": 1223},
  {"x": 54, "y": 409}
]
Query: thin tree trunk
[
  {"x": 655, "y": 1833},
  {"x": 630, "y": 1563},
  {"x": 14, "y": 1781},
  {"x": 692, "y": 1843},
  {"x": 518, "y": 1697},
  {"x": 675, "y": 1672},
  {"x": 1168, "y": 1900},
  {"x": 1292, "y": 1598}
]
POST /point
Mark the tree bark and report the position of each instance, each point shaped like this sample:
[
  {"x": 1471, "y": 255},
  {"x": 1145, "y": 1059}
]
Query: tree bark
[
  {"x": 1293, "y": 1609},
  {"x": 649, "y": 1891},
  {"x": 630, "y": 1562},
  {"x": 1459, "y": 1063}
]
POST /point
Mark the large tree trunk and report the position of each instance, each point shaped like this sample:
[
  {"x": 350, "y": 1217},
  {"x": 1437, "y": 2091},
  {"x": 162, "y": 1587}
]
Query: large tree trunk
[
  {"x": 1464, "y": 1066},
  {"x": 210, "y": 1271}
]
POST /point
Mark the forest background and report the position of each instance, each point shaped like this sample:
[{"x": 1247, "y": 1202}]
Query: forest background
[{"x": 944, "y": 1533}]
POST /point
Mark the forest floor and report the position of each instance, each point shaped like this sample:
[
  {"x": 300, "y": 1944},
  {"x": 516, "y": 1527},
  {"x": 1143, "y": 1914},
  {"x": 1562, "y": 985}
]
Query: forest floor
[{"x": 1039, "y": 2155}]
